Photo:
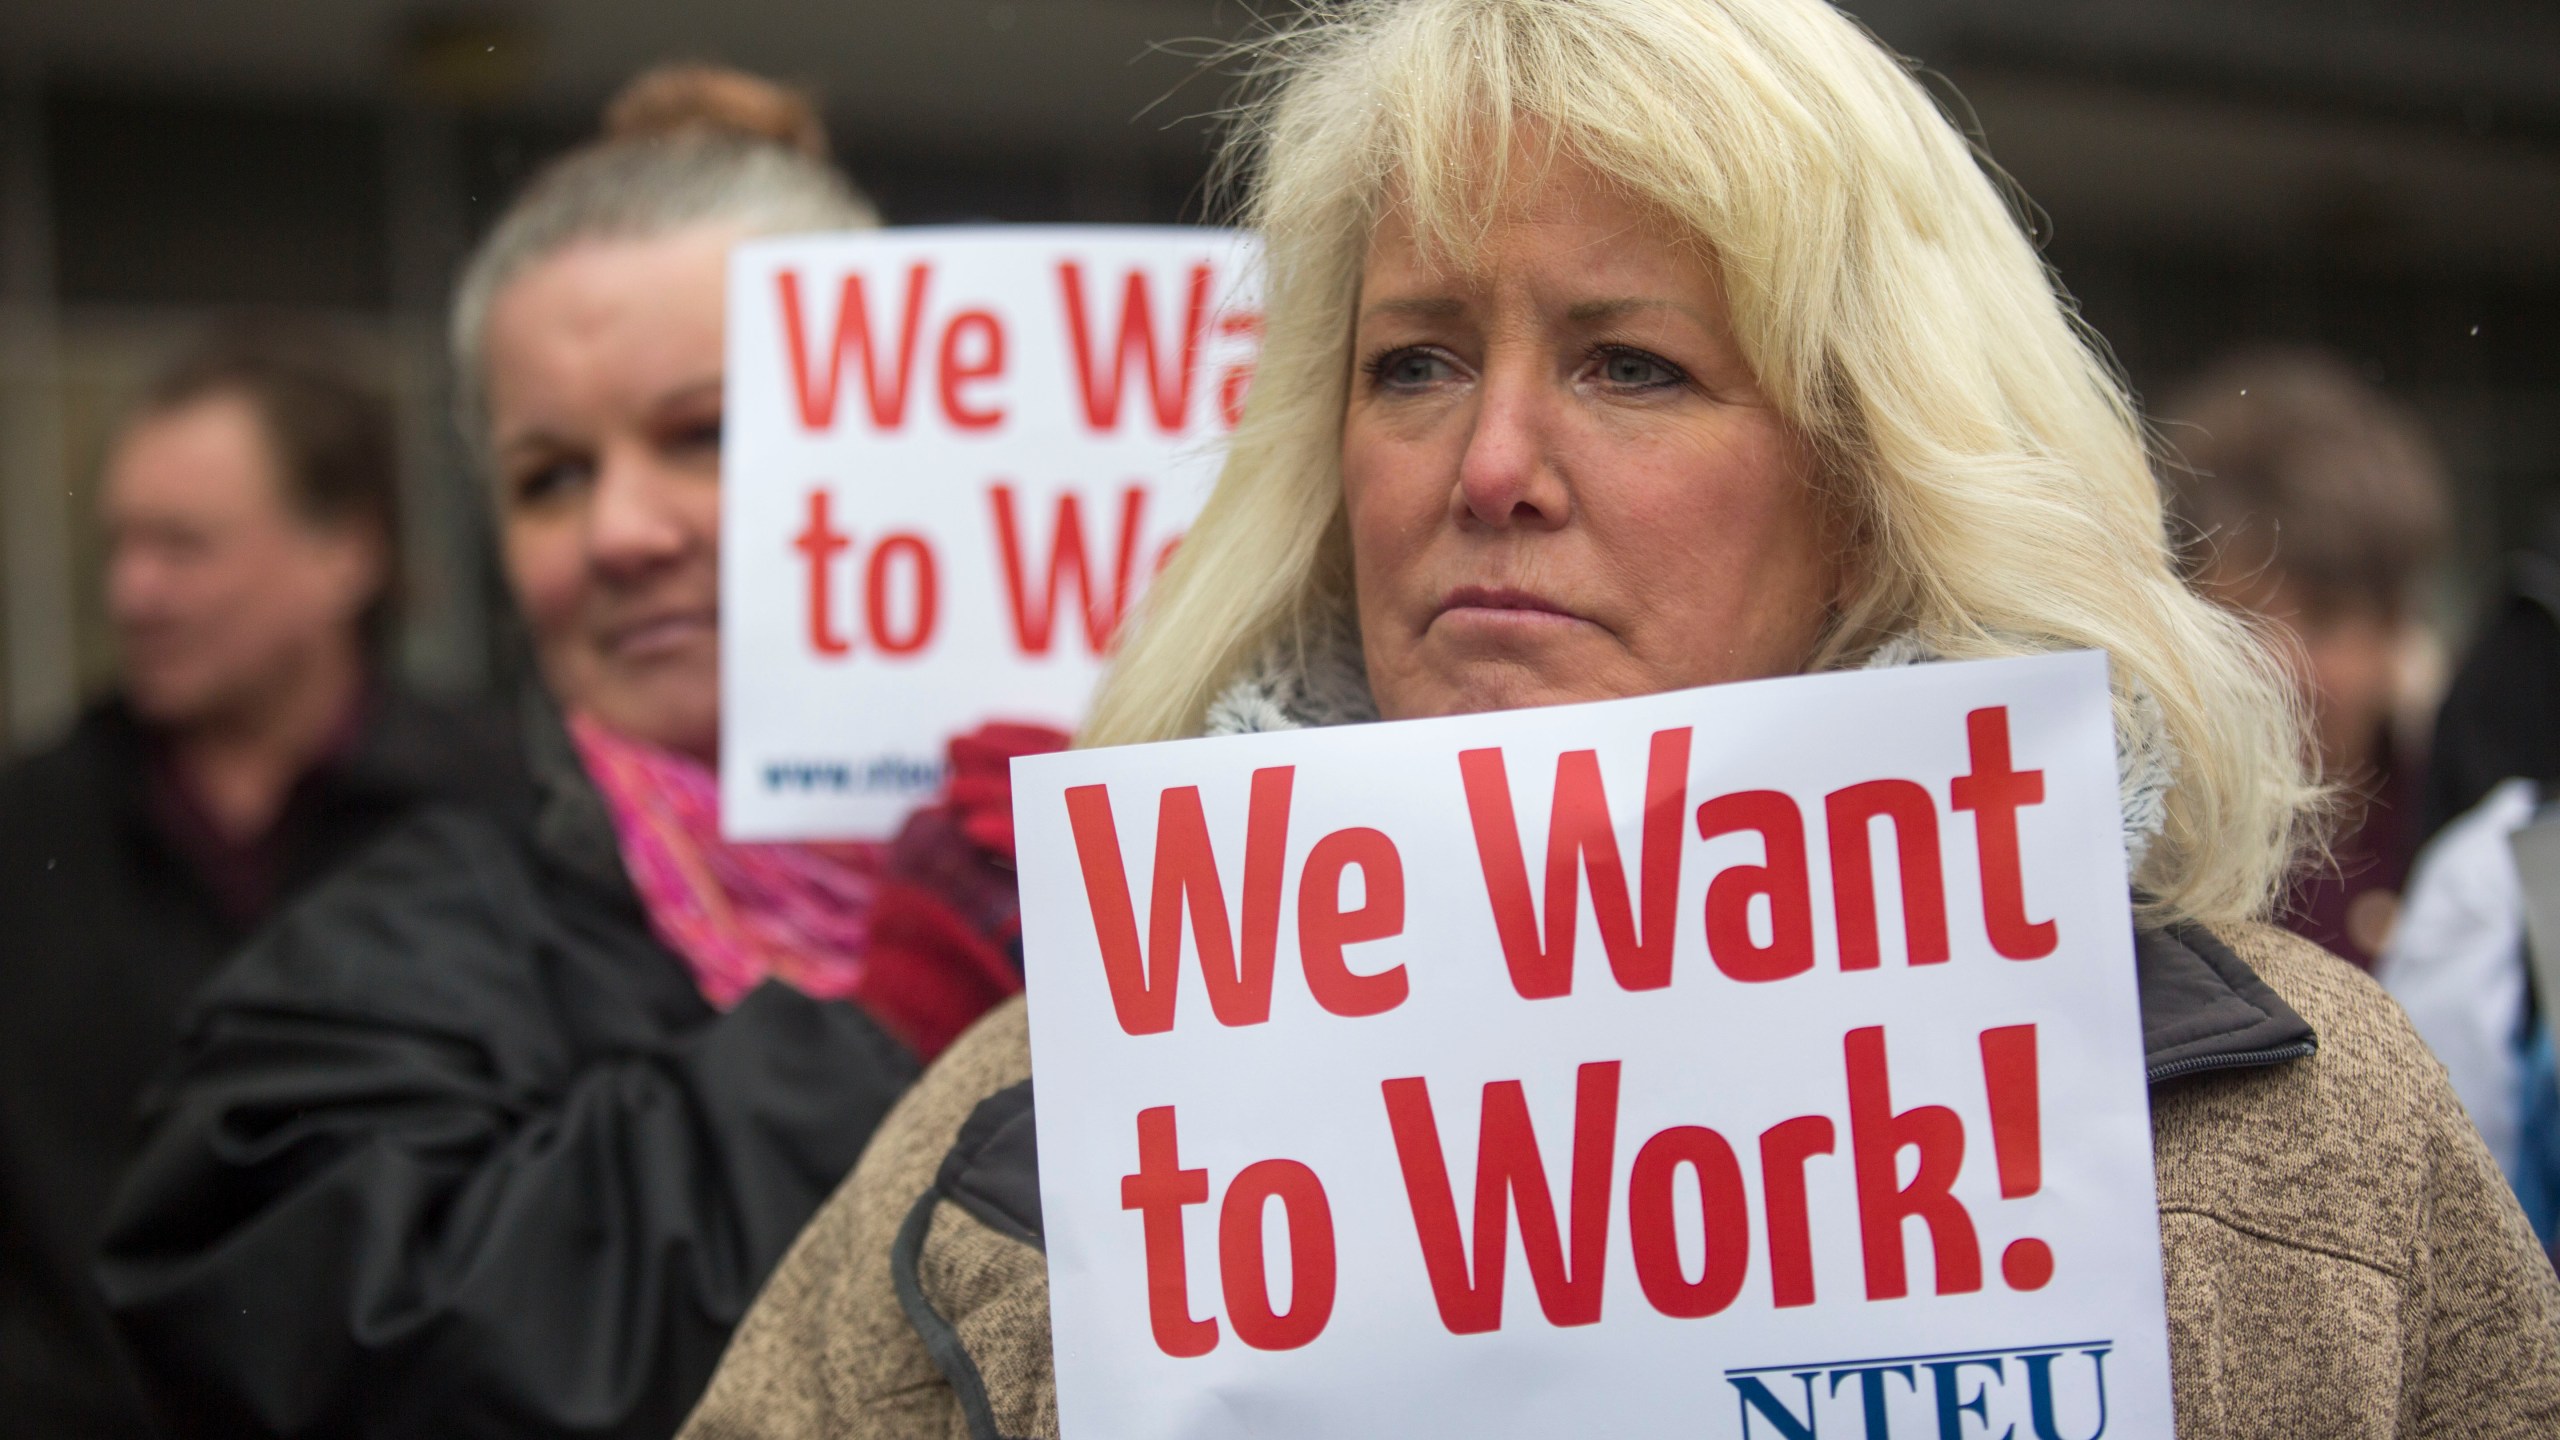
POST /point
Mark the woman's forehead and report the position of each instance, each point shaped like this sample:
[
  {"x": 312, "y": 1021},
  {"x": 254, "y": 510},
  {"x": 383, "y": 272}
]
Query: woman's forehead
[
  {"x": 1539, "y": 197},
  {"x": 614, "y": 282},
  {"x": 616, "y": 321},
  {"x": 1568, "y": 228}
]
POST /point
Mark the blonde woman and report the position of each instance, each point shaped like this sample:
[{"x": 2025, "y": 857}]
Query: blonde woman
[{"x": 1622, "y": 345}]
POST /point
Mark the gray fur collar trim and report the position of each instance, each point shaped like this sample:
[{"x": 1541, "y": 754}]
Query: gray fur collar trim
[{"x": 1294, "y": 688}]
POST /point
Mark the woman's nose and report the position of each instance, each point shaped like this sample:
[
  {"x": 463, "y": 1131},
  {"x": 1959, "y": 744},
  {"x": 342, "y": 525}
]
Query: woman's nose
[
  {"x": 1508, "y": 477},
  {"x": 633, "y": 525}
]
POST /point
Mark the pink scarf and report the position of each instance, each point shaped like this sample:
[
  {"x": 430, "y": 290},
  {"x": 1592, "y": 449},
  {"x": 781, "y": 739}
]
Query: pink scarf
[{"x": 737, "y": 913}]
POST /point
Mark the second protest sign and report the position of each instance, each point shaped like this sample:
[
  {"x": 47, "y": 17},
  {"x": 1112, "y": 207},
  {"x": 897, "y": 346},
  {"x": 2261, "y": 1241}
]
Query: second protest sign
[
  {"x": 953, "y": 460},
  {"x": 1753, "y": 1061}
]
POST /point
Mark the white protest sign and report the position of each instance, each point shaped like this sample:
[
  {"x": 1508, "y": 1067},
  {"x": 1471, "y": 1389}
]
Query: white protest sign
[
  {"x": 952, "y": 459},
  {"x": 1760, "y": 1061}
]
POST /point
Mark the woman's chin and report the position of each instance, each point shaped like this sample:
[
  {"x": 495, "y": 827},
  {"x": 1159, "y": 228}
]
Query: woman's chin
[
  {"x": 1479, "y": 686},
  {"x": 686, "y": 723}
]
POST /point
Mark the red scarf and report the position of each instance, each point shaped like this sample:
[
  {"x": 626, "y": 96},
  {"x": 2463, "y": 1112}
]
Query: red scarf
[
  {"x": 738, "y": 913},
  {"x": 921, "y": 933}
]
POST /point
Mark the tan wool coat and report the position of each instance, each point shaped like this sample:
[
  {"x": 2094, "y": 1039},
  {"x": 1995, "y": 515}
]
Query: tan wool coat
[{"x": 2343, "y": 1258}]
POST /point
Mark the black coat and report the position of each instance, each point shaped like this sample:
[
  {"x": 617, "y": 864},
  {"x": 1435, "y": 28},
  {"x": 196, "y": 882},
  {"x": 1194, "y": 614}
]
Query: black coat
[
  {"x": 105, "y": 931},
  {"x": 2501, "y": 715},
  {"x": 457, "y": 1149}
]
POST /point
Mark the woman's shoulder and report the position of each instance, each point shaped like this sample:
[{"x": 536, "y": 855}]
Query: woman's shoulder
[
  {"x": 2338, "y": 1241},
  {"x": 2338, "y": 1150},
  {"x": 907, "y": 1274},
  {"x": 907, "y": 1155},
  {"x": 2370, "y": 1059}
]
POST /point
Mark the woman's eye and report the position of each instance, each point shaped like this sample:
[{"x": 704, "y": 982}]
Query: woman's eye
[
  {"x": 1635, "y": 370},
  {"x": 704, "y": 435},
  {"x": 543, "y": 483},
  {"x": 1411, "y": 369}
]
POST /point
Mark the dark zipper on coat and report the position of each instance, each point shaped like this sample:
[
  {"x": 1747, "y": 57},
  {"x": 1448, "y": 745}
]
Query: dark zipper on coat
[{"x": 2236, "y": 1060}]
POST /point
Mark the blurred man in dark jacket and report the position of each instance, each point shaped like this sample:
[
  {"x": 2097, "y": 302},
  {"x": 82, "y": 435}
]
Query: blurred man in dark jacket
[{"x": 251, "y": 746}]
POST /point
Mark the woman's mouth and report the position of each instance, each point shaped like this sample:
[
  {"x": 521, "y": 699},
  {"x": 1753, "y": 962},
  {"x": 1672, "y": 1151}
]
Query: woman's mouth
[
  {"x": 1489, "y": 604},
  {"x": 653, "y": 636}
]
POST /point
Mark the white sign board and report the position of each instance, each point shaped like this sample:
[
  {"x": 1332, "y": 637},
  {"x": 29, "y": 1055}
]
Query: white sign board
[
  {"x": 952, "y": 460},
  {"x": 1757, "y": 1061}
]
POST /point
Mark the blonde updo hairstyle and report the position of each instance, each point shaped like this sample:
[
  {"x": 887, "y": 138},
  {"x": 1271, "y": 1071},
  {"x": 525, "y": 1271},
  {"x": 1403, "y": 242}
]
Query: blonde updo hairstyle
[
  {"x": 683, "y": 146},
  {"x": 1973, "y": 434}
]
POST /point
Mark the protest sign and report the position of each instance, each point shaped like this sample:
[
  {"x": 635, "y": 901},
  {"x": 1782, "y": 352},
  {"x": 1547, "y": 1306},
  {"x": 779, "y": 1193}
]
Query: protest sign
[
  {"x": 1755, "y": 1061},
  {"x": 952, "y": 460}
]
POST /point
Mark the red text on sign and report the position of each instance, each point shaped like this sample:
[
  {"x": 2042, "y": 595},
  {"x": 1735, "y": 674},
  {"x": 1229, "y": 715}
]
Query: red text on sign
[
  {"x": 970, "y": 355},
  {"x": 1033, "y": 604},
  {"x": 1167, "y": 371},
  {"x": 901, "y": 590},
  {"x": 1236, "y": 964},
  {"x": 1161, "y": 1189},
  {"x": 1509, "y": 1175},
  {"x": 1582, "y": 839},
  {"x": 1158, "y": 1192},
  {"x": 1582, "y": 848},
  {"x": 1567, "y": 1260},
  {"x": 892, "y": 586},
  {"x": 1995, "y": 792}
]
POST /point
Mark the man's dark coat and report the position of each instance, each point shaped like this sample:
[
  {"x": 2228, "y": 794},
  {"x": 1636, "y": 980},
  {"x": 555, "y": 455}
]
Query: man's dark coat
[{"x": 105, "y": 931}]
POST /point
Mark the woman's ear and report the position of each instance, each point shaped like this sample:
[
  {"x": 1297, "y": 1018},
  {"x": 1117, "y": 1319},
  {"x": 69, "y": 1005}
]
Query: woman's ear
[
  {"x": 1849, "y": 547},
  {"x": 1850, "y": 574},
  {"x": 1845, "y": 535}
]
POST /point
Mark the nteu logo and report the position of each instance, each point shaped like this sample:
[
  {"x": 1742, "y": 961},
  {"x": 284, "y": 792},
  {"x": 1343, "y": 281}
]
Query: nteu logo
[{"x": 2049, "y": 1392}]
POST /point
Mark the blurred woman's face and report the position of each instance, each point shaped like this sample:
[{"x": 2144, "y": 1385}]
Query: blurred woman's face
[
  {"x": 604, "y": 367},
  {"x": 1562, "y": 479}
]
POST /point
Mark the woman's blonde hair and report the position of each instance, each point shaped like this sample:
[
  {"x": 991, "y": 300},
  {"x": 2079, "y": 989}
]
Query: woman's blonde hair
[{"x": 1978, "y": 439}]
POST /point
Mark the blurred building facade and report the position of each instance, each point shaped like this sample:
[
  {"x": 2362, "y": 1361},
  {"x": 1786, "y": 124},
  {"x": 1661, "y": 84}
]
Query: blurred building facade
[{"x": 2379, "y": 178}]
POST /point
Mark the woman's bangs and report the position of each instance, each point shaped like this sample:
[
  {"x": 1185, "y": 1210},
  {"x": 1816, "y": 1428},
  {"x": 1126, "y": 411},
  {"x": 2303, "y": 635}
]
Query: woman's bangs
[{"x": 1483, "y": 110}]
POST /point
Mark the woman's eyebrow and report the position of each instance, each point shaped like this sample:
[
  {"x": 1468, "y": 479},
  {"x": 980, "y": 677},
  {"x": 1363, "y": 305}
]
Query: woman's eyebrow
[
  {"x": 1415, "y": 308},
  {"x": 689, "y": 391},
  {"x": 1594, "y": 312},
  {"x": 531, "y": 442}
]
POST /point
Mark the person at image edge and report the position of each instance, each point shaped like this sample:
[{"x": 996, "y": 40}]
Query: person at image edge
[{"x": 256, "y": 740}]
